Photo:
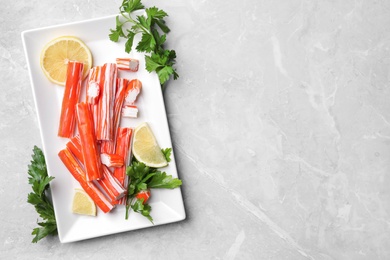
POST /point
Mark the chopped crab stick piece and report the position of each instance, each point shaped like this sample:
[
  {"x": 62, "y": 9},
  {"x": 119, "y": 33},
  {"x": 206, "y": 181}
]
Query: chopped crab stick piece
[
  {"x": 143, "y": 195},
  {"x": 130, "y": 111},
  {"x": 123, "y": 145},
  {"x": 121, "y": 86},
  {"x": 74, "y": 145},
  {"x": 107, "y": 146},
  {"x": 93, "y": 91},
  {"x": 111, "y": 160},
  {"x": 132, "y": 92},
  {"x": 127, "y": 64},
  {"x": 123, "y": 148},
  {"x": 90, "y": 188},
  {"x": 92, "y": 86},
  {"x": 74, "y": 78},
  {"x": 89, "y": 149},
  {"x": 106, "y": 102},
  {"x": 111, "y": 186}
]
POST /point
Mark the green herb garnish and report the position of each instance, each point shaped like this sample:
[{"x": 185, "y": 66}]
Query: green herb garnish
[
  {"x": 153, "y": 30},
  {"x": 144, "y": 178},
  {"x": 39, "y": 181}
]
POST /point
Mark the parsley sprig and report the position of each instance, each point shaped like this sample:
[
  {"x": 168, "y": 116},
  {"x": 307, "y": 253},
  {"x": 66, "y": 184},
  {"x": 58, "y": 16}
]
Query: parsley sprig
[
  {"x": 153, "y": 30},
  {"x": 143, "y": 178},
  {"x": 39, "y": 180}
]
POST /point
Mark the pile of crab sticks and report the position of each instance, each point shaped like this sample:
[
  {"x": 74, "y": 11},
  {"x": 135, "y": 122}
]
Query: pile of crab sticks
[{"x": 99, "y": 149}]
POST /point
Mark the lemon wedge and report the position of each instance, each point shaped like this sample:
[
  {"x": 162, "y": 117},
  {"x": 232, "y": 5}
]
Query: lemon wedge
[
  {"x": 146, "y": 148},
  {"x": 83, "y": 204},
  {"x": 56, "y": 54}
]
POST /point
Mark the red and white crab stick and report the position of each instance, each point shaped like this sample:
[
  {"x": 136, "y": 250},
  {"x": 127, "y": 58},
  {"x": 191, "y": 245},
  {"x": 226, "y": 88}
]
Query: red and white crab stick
[
  {"x": 71, "y": 97},
  {"x": 121, "y": 86},
  {"x": 129, "y": 64},
  {"x": 89, "y": 148},
  {"x": 112, "y": 160},
  {"x": 111, "y": 186},
  {"x": 129, "y": 108},
  {"x": 123, "y": 148},
  {"x": 133, "y": 90},
  {"x": 93, "y": 91},
  {"x": 108, "y": 77},
  {"x": 90, "y": 188},
  {"x": 74, "y": 145}
]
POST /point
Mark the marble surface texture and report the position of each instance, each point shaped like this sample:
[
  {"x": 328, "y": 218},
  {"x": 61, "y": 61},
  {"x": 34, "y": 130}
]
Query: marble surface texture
[{"x": 280, "y": 123}]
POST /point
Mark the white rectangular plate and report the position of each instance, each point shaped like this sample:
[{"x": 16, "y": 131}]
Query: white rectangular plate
[{"x": 167, "y": 205}]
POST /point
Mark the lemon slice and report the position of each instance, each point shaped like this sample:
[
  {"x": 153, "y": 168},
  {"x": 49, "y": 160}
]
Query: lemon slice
[
  {"x": 146, "y": 148},
  {"x": 57, "y": 53},
  {"x": 83, "y": 204}
]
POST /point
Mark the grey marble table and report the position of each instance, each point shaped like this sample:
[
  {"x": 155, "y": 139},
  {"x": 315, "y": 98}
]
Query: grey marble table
[{"x": 280, "y": 123}]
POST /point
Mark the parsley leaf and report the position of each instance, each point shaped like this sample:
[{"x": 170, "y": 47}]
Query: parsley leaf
[
  {"x": 162, "y": 63},
  {"x": 155, "y": 14},
  {"x": 130, "y": 6},
  {"x": 129, "y": 42},
  {"x": 47, "y": 228},
  {"x": 39, "y": 180},
  {"x": 153, "y": 30},
  {"x": 162, "y": 180},
  {"x": 147, "y": 43},
  {"x": 167, "y": 153},
  {"x": 143, "y": 209}
]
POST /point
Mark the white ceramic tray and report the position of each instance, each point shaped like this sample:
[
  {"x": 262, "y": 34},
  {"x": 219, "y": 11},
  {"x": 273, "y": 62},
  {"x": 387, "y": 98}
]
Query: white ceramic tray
[{"x": 167, "y": 205}]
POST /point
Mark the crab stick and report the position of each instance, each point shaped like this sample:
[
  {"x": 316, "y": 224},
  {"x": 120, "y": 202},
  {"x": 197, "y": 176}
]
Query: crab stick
[
  {"x": 107, "y": 146},
  {"x": 93, "y": 91},
  {"x": 130, "y": 111},
  {"x": 89, "y": 148},
  {"x": 123, "y": 148},
  {"x": 112, "y": 160},
  {"x": 90, "y": 188},
  {"x": 71, "y": 96},
  {"x": 132, "y": 92},
  {"x": 121, "y": 86},
  {"x": 111, "y": 186},
  {"x": 74, "y": 145},
  {"x": 143, "y": 195},
  {"x": 129, "y": 64},
  {"x": 104, "y": 129},
  {"x": 92, "y": 87}
]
